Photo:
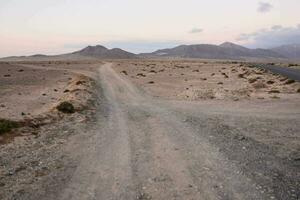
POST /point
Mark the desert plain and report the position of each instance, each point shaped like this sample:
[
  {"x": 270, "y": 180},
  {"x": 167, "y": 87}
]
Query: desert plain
[{"x": 148, "y": 129}]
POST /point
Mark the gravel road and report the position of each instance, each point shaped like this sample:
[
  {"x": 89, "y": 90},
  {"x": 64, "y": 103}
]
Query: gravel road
[{"x": 145, "y": 148}]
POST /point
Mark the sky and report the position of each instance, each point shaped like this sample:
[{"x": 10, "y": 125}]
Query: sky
[{"x": 59, "y": 26}]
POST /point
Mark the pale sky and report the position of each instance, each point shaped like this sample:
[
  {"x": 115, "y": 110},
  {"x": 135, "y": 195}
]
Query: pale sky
[{"x": 59, "y": 26}]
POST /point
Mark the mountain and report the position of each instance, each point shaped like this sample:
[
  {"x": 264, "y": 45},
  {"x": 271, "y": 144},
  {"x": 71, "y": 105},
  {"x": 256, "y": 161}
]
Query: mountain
[
  {"x": 90, "y": 52},
  {"x": 102, "y": 52},
  {"x": 289, "y": 51},
  {"x": 226, "y": 50}
]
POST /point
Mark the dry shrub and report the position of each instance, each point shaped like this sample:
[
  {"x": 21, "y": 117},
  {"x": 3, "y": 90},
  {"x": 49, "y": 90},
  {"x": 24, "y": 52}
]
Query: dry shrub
[
  {"x": 274, "y": 91},
  {"x": 252, "y": 80},
  {"x": 66, "y": 107},
  {"x": 7, "y": 125},
  {"x": 290, "y": 81},
  {"x": 259, "y": 85},
  {"x": 270, "y": 82}
]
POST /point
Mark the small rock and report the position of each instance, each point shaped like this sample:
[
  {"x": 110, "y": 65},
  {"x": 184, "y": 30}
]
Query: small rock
[
  {"x": 124, "y": 72},
  {"x": 34, "y": 133},
  {"x": 274, "y": 91},
  {"x": 80, "y": 82},
  {"x": 141, "y": 74},
  {"x": 241, "y": 75},
  {"x": 10, "y": 173},
  {"x": 240, "y": 137}
]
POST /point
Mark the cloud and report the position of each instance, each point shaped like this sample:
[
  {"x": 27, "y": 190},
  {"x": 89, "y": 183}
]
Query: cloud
[
  {"x": 264, "y": 7},
  {"x": 196, "y": 30},
  {"x": 276, "y": 27},
  {"x": 274, "y": 36}
]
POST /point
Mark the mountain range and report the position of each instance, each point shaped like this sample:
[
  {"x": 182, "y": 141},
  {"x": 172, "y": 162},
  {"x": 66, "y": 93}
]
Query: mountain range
[{"x": 226, "y": 50}]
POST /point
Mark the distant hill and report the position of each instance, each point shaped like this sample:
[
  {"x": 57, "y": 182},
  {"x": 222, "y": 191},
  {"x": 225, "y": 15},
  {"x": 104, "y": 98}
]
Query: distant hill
[
  {"x": 90, "y": 52},
  {"x": 102, "y": 52},
  {"x": 226, "y": 50},
  {"x": 289, "y": 51}
]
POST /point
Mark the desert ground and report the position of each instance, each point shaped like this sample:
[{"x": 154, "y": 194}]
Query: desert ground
[{"x": 148, "y": 129}]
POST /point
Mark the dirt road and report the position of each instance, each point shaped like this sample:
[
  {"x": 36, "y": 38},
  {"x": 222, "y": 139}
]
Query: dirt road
[{"x": 148, "y": 149}]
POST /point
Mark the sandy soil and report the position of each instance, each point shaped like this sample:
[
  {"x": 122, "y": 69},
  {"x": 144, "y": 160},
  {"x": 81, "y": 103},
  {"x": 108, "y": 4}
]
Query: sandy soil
[
  {"x": 26, "y": 91},
  {"x": 30, "y": 89},
  {"x": 192, "y": 80},
  {"x": 139, "y": 139}
]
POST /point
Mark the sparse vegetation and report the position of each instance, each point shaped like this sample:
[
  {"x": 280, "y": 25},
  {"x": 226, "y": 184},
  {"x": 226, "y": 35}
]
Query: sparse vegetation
[
  {"x": 66, "y": 107},
  {"x": 274, "y": 91},
  {"x": 241, "y": 75},
  {"x": 290, "y": 81},
  {"x": 275, "y": 97},
  {"x": 252, "y": 80},
  {"x": 7, "y": 125},
  {"x": 259, "y": 85},
  {"x": 80, "y": 82}
]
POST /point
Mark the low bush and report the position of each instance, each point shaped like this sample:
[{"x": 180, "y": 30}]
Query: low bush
[
  {"x": 66, "y": 107},
  {"x": 259, "y": 85},
  {"x": 7, "y": 125},
  {"x": 252, "y": 80},
  {"x": 290, "y": 81}
]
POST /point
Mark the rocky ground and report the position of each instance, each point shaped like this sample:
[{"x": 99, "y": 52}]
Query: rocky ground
[
  {"x": 30, "y": 96},
  {"x": 152, "y": 129},
  {"x": 208, "y": 80}
]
